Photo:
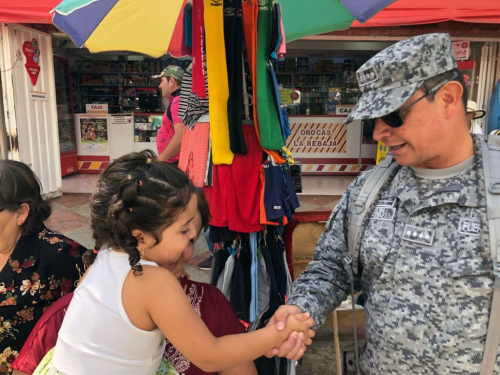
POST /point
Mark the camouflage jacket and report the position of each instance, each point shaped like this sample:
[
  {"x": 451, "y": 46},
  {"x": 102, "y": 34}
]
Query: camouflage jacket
[{"x": 426, "y": 269}]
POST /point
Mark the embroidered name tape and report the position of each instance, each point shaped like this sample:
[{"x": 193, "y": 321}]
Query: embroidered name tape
[
  {"x": 469, "y": 227},
  {"x": 367, "y": 76}
]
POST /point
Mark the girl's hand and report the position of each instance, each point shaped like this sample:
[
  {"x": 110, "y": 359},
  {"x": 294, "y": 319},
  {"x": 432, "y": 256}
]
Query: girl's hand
[
  {"x": 185, "y": 274},
  {"x": 301, "y": 323}
]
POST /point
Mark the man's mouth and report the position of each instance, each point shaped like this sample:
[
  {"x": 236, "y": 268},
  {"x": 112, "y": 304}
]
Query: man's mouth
[{"x": 397, "y": 147}]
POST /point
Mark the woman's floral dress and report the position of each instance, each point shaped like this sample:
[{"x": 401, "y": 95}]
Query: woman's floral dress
[{"x": 44, "y": 266}]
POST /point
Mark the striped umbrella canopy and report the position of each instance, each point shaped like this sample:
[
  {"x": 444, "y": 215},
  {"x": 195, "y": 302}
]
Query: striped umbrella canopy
[
  {"x": 312, "y": 17},
  {"x": 144, "y": 26},
  {"x": 148, "y": 26}
]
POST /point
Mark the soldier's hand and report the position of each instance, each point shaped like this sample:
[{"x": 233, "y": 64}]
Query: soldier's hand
[{"x": 295, "y": 345}]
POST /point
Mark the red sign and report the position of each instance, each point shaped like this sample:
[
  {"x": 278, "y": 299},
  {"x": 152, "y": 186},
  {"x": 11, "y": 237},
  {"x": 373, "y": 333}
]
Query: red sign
[
  {"x": 461, "y": 50},
  {"x": 32, "y": 53}
]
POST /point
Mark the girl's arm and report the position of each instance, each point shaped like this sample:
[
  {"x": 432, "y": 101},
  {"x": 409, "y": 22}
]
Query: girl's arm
[
  {"x": 245, "y": 369},
  {"x": 161, "y": 296}
]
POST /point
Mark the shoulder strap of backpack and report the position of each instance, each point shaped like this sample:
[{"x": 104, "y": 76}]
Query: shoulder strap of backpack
[
  {"x": 491, "y": 165},
  {"x": 366, "y": 196}
]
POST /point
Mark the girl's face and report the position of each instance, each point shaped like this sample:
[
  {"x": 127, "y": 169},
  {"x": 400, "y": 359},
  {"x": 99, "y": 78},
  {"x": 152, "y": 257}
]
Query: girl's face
[{"x": 174, "y": 239}]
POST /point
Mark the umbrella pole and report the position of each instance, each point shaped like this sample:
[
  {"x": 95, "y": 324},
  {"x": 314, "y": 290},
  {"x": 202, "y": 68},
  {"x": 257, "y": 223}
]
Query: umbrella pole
[{"x": 246, "y": 104}]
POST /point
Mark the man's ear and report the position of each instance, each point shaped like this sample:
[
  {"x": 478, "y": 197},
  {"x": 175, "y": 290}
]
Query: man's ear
[{"x": 451, "y": 97}]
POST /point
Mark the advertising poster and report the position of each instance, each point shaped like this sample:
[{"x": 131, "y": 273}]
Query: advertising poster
[{"x": 94, "y": 133}]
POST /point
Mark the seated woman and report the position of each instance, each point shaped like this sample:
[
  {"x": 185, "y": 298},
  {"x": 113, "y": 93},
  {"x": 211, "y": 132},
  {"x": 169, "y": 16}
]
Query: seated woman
[
  {"x": 208, "y": 301},
  {"x": 37, "y": 265}
]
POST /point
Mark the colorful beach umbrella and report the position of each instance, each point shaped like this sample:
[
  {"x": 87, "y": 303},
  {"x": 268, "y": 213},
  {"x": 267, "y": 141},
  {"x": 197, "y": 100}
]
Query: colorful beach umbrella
[
  {"x": 119, "y": 25},
  {"x": 149, "y": 26},
  {"x": 312, "y": 17}
]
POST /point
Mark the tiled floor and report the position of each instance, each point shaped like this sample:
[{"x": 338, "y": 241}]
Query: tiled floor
[{"x": 79, "y": 183}]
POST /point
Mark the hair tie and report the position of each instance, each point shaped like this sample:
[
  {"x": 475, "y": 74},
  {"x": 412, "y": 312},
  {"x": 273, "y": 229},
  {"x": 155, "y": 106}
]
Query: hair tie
[
  {"x": 130, "y": 209},
  {"x": 96, "y": 250},
  {"x": 148, "y": 161},
  {"x": 140, "y": 182}
]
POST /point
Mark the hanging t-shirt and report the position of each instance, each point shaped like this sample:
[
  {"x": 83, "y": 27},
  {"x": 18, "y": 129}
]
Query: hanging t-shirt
[
  {"x": 233, "y": 40},
  {"x": 170, "y": 118},
  {"x": 269, "y": 126},
  {"x": 217, "y": 82}
]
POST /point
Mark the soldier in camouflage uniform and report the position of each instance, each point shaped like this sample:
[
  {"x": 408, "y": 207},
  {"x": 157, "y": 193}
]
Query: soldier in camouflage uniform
[{"x": 424, "y": 260}]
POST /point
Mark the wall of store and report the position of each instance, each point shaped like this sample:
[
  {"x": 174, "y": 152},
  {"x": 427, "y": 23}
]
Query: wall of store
[{"x": 30, "y": 115}]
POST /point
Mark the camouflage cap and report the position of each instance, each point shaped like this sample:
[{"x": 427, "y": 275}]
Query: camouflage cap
[
  {"x": 173, "y": 71},
  {"x": 390, "y": 77}
]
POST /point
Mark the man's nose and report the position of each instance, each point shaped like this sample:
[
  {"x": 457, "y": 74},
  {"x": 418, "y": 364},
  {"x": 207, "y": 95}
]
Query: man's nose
[{"x": 381, "y": 130}]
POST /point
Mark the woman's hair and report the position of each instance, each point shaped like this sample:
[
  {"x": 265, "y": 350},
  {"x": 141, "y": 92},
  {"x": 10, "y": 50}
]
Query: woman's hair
[
  {"x": 18, "y": 185},
  {"x": 136, "y": 192}
]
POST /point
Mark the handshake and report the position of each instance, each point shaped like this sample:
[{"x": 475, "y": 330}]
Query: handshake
[{"x": 290, "y": 320}]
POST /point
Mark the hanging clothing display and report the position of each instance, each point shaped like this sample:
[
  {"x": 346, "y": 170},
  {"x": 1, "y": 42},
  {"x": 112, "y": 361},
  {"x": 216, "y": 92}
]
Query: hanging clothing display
[
  {"x": 283, "y": 117},
  {"x": 282, "y": 45},
  {"x": 233, "y": 41},
  {"x": 250, "y": 199},
  {"x": 218, "y": 89},
  {"x": 191, "y": 107},
  {"x": 194, "y": 152},
  {"x": 187, "y": 36},
  {"x": 250, "y": 11},
  {"x": 198, "y": 42},
  {"x": 269, "y": 127},
  {"x": 236, "y": 189}
]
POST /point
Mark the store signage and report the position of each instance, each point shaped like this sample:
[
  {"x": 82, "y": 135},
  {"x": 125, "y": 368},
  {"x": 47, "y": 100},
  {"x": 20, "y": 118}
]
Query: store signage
[
  {"x": 317, "y": 138},
  {"x": 36, "y": 95},
  {"x": 121, "y": 119},
  {"x": 32, "y": 52},
  {"x": 286, "y": 96},
  {"x": 96, "y": 109},
  {"x": 343, "y": 109},
  {"x": 461, "y": 50}
]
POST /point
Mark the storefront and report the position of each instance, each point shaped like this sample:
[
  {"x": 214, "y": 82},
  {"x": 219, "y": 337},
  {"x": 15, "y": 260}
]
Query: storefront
[
  {"x": 116, "y": 95},
  {"x": 116, "y": 107},
  {"x": 319, "y": 89}
]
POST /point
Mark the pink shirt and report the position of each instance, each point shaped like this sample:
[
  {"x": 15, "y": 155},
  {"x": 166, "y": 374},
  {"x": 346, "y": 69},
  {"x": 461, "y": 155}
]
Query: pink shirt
[{"x": 167, "y": 131}]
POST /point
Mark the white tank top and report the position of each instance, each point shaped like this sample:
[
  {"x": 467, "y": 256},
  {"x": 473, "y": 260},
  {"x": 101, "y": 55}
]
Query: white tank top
[{"x": 96, "y": 336}]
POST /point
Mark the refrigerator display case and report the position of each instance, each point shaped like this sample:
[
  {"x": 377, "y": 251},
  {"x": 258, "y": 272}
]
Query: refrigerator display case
[{"x": 65, "y": 118}]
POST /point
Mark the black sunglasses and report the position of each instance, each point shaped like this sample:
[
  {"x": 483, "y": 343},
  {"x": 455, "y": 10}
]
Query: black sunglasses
[{"x": 394, "y": 119}]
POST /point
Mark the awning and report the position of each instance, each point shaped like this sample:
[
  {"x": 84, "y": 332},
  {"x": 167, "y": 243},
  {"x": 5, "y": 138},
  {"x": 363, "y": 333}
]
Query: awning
[
  {"x": 418, "y": 12},
  {"x": 27, "y": 11},
  {"x": 400, "y": 13}
]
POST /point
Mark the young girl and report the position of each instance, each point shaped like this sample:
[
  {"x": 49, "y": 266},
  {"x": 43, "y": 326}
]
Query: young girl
[{"x": 143, "y": 210}]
